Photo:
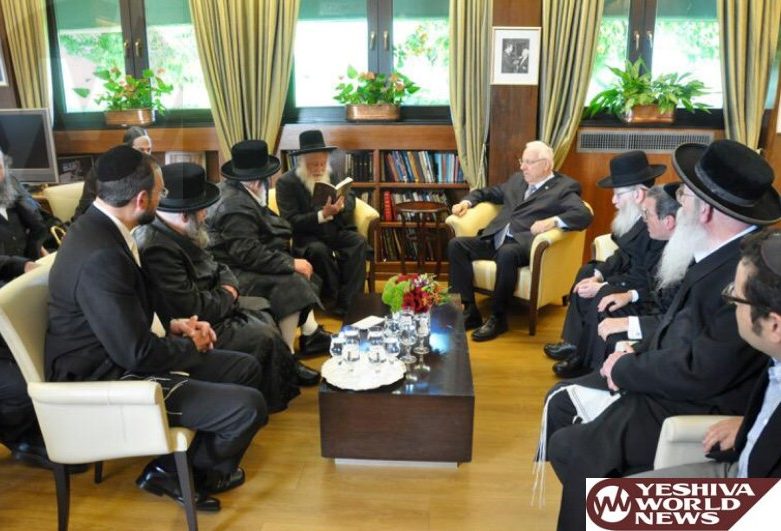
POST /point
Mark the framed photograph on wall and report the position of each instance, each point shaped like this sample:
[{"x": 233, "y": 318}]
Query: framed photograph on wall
[
  {"x": 515, "y": 57},
  {"x": 73, "y": 169}
]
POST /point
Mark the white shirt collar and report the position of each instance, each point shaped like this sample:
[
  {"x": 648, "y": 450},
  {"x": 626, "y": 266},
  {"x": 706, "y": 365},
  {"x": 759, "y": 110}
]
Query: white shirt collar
[
  {"x": 704, "y": 254},
  {"x": 4, "y": 212}
]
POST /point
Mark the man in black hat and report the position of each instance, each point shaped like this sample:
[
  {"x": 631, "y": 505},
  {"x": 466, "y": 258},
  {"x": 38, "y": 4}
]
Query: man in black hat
[
  {"x": 254, "y": 242},
  {"x": 695, "y": 362},
  {"x": 626, "y": 270},
  {"x": 100, "y": 315},
  {"x": 188, "y": 281},
  {"x": 325, "y": 235},
  {"x": 534, "y": 200}
]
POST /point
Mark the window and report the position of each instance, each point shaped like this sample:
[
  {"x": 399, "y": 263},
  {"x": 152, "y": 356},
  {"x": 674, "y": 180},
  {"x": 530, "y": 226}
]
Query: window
[
  {"x": 409, "y": 36},
  {"x": 670, "y": 35},
  {"x": 131, "y": 35}
]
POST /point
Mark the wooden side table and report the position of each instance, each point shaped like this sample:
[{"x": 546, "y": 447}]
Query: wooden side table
[{"x": 429, "y": 219}]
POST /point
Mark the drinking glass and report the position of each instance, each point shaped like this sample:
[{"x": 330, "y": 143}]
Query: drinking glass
[
  {"x": 337, "y": 346},
  {"x": 376, "y": 336},
  {"x": 392, "y": 325},
  {"x": 423, "y": 328},
  {"x": 352, "y": 344},
  {"x": 392, "y": 348},
  {"x": 407, "y": 336}
]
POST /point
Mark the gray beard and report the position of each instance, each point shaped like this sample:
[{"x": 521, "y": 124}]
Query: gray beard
[
  {"x": 197, "y": 233},
  {"x": 310, "y": 181},
  {"x": 625, "y": 218},
  {"x": 688, "y": 239},
  {"x": 8, "y": 194}
]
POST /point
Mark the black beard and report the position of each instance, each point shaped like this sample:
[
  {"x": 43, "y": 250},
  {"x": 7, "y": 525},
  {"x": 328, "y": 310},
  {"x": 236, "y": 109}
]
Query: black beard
[{"x": 146, "y": 218}]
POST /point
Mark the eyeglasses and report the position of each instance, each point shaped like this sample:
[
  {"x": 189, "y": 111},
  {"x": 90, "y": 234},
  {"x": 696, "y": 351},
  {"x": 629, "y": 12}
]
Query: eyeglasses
[
  {"x": 728, "y": 295},
  {"x": 529, "y": 162},
  {"x": 622, "y": 192},
  {"x": 680, "y": 194}
]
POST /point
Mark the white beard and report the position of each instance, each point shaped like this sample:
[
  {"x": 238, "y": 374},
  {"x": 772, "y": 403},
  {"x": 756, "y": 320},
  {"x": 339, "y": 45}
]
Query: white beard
[
  {"x": 197, "y": 232},
  {"x": 309, "y": 180},
  {"x": 688, "y": 239},
  {"x": 8, "y": 194},
  {"x": 625, "y": 218}
]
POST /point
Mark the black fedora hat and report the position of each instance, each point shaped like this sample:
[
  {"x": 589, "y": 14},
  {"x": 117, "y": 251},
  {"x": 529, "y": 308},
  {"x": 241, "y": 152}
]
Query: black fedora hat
[
  {"x": 732, "y": 178},
  {"x": 312, "y": 141},
  {"x": 629, "y": 169},
  {"x": 671, "y": 189},
  {"x": 188, "y": 189},
  {"x": 250, "y": 161}
]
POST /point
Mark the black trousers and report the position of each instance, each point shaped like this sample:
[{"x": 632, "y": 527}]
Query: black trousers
[
  {"x": 340, "y": 260},
  {"x": 220, "y": 399},
  {"x": 620, "y": 441},
  {"x": 17, "y": 416},
  {"x": 513, "y": 253},
  {"x": 580, "y": 309}
]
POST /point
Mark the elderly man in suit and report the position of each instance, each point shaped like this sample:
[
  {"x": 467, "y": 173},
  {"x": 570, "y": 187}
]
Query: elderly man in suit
[
  {"x": 748, "y": 446},
  {"x": 100, "y": 320},
  {"x": 534, "y": 200},
  {"x": 627, "y": 269},
  {"x": 254, "y": 242},
  {"x": 188, "y": 281},
  {"x": 695, "y": 362},
  {"x": 325, "y": 235}
]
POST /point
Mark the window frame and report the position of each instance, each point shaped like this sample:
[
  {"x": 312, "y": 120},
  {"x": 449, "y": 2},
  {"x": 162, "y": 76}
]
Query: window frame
[{"x": 132, "y": 15}]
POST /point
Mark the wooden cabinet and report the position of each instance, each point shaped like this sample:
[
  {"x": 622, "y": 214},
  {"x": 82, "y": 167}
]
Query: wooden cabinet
[{"x": 390, "y": 163}]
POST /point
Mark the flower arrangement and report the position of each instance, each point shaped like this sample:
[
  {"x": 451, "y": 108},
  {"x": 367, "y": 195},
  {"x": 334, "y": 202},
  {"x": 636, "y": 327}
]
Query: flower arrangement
[
  {"x": 417, "y": 292},
  {"x": 373, "y": 88},
  {"x": 125, "y": 92}
]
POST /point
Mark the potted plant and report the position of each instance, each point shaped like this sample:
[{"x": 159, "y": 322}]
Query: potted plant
[
  {"x": 372, "y": 95},
  {"x": 129, "y": 100},
  {"x": 636, "y": 98}
]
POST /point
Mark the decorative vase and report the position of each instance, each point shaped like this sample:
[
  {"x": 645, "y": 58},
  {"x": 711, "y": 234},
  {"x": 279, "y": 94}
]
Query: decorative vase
[
  {"x": 383, "y": 112},
  {"x": 648, "y": 114},
  {"x": 130, "y": 117}
]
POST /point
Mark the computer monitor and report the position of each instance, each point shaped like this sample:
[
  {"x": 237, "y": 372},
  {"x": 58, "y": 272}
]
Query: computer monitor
[{"x": 26, "y": 136}]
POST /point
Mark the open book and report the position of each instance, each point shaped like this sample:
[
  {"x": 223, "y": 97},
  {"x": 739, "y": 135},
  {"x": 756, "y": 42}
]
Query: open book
[{"x": 323, "y": 191}]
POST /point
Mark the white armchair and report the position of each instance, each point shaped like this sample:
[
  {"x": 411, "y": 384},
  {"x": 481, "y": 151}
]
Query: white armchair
[
  {"x": 84, "y": 422},
  {"x": 602, "y": 247},
  {"x": 555, "y": 258},
  {"x": 680, "y": 441},
  {"x": 63, "y": 199}
]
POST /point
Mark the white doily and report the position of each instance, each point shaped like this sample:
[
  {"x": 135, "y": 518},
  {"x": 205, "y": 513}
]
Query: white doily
[{"x": 362, "y": 375}]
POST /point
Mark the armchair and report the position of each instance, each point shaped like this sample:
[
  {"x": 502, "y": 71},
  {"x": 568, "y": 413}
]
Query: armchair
[
  {"x": 680, "y": 441},
  {"x": 555, "y": 258},
  {"x": 63, "y": 199},
  {"x": 114, "y": 418},
  {"x": 366, "y": 220},
  {"x": 602, "y": 247}
]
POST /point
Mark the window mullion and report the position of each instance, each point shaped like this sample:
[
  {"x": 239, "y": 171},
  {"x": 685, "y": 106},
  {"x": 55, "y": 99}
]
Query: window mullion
[
  {"x": 374, "y": 38},
  {"x": 646, "y": 35},
  {"x": 385, "y": 36}
]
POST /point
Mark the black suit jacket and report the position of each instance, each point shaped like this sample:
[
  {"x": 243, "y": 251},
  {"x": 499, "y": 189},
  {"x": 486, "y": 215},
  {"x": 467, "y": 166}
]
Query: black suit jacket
[
  {"x": 696, "y": 356},
  {"x": 100, "y": 311},
  {"x": 560, "y": 196},
  {"x": 295, "y": 205},
  {"x": 629, "y": 266},
  {"x": 24, "y": 232}
]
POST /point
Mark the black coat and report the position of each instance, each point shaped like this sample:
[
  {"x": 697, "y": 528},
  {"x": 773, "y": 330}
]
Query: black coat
[
  {"x": 560, "y": 196},
  {"x": 629, "y": 266},
  {"x": 696, "y": 356},
  {"x": 100, "y": 311},
  {"x": 295, "y": 205},
  {"x": 24, "y": 232}
]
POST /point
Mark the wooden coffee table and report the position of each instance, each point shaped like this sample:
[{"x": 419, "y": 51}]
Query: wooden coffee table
[{"x": 430, "y": 420}]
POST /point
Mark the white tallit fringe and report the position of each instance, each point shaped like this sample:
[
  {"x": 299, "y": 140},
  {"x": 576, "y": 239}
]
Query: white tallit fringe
[{"x": 589, "y": 403}]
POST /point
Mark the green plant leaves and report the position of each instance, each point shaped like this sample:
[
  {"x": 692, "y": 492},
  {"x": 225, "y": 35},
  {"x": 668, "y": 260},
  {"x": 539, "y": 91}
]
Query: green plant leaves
[
  {"x": 124, "y": 91},
  {"x": 373, "y": 88}
]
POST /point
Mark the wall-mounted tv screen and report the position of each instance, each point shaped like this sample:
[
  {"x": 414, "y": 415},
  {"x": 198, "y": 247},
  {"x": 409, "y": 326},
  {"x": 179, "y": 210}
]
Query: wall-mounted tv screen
[{"x": 26, "y": 137}]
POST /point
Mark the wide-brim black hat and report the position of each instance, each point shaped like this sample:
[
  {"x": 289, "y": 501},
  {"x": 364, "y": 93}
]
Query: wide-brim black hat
[
  {"x": 629, "y": 169},
  {"x": 732, "y": 178},
  {"x": 188, "y": 189},
  {"x": 312, "y": 141},
  {"x": 250, "y": 161},
  {"x": 671, "y": 189}
]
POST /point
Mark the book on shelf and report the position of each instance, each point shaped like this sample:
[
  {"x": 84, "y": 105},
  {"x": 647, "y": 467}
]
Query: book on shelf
[{"x": 323, "y": 191}]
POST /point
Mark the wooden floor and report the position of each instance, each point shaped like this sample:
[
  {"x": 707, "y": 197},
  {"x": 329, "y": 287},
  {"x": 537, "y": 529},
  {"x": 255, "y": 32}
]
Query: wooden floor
[{"x": 290, "y": 487}]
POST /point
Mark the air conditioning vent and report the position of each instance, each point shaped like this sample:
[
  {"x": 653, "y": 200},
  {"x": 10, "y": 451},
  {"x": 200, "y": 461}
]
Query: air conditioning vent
[{"x": 648, "y": 140}]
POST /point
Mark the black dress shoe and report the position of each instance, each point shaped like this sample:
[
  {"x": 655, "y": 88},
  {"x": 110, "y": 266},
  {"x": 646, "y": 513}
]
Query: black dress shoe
[
  {"x": 472, "y": 317},
  {"x": 494, "y": 326},
  {"x": 307, "y": 376},
  {"x": 559, "y": 351},
  {"x": 572, "y": 367},
  {"x": 35, "y": 455},
  {"x": 223, "y": 483},
  {"x": 158, "y": 481},
  {"x": 314, "y": 344}
]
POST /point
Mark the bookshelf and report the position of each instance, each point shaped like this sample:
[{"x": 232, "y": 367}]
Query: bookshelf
[{"x": 400, "y": 162}]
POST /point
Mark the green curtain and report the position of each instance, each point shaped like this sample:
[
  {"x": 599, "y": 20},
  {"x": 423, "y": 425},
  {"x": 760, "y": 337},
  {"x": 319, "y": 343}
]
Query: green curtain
[
  {"x": 25, "y": 24},
  {"x": 569, "y": 38},
  {"x": 749, "y": 34},
  {"x": 246, "y": 51},
  {"x": 470, "y": 90}
]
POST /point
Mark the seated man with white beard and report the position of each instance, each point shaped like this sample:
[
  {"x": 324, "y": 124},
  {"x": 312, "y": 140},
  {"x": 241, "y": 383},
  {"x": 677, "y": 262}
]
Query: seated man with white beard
[
  {"x": 627, "y": 269},
  {"x": 325, "y": 236},
  {"x": 623, "y": 318},
  {"x": 695, "y": 362},
  {"x": 188, "y": 281}
]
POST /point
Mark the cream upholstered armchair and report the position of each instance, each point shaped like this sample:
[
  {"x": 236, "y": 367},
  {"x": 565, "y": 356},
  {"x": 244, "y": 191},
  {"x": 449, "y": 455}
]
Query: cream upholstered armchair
[
  {"x": 602, "y": 247},
  {"x": 555, "y": 258},
  {"x": 63, "y": 199},
  {"x": 85, "y": 422},
  {"x": 680, "y": 441},
  {"x": 366, "y": 220}
]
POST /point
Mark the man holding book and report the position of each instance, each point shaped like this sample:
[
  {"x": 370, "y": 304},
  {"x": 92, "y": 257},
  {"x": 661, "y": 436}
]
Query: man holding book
[{"x": 321, "y": 211}]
